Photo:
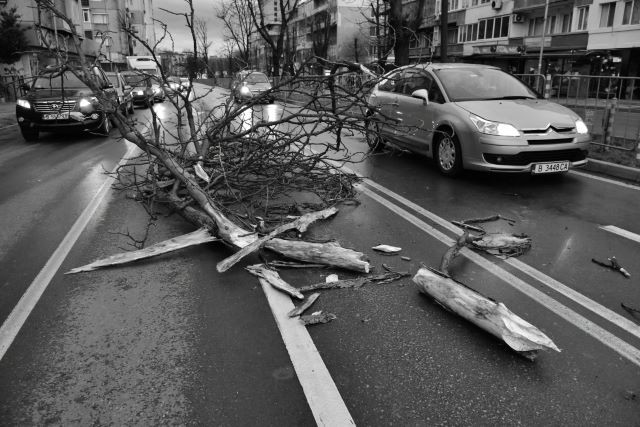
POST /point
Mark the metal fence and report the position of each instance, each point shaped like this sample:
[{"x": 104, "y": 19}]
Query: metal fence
[{"x": 610, "y": 105}]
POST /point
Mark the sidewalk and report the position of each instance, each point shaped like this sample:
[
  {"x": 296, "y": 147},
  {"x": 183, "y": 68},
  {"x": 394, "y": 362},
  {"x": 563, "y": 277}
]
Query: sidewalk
[{"x": 7, "y": 114}]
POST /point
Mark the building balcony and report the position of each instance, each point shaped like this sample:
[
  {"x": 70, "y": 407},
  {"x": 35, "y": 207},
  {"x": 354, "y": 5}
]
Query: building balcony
[{"x": 528, "y": 5}]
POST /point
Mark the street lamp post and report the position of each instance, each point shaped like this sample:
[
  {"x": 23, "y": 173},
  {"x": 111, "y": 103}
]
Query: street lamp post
[{"x": 544, "y": 24}]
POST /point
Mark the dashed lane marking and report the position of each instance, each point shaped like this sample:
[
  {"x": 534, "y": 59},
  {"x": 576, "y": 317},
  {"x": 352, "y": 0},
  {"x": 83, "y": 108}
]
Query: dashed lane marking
[
  {"x": 621, "y": 232},
  {"x": 11, "y": 327}
]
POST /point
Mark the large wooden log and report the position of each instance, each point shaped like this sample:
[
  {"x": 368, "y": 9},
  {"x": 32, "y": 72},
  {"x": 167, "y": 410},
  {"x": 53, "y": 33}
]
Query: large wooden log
[
  {"x": 320, "y": 253},
  {"x": 492, "y": 316}
]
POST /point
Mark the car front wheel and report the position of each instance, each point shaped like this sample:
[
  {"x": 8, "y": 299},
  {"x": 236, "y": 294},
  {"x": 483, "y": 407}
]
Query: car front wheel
[
  {"x": 448, "y": 155},
  {"x": 375, "y": 141},
  {"x": 30, "y": 134}
]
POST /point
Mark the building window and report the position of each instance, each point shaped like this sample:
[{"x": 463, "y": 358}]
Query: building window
[
  {"x": 275, "y": 10},
  {"x": 551, "y": 25},
  {"x": 454, "y": 5},
  {"x": 86, "y": 15},
  {"x": 100, "y": 18},
  {"x": 566, "y": 23},
  {"x": 88, "y": 34},
  {"x": 535, "y": 26},
  {"x": 492, "y": 28},
  {"x": 583, "y": 17},
  {"x": 631, "y": 13},
  {"x": 608, "y": 11},
  {"x": 474, "y": 3}
]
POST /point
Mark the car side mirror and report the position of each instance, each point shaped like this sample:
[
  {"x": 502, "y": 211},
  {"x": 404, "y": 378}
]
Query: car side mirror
[
  {"x": 108, "y": 86},
  {"x": 25, "y": 87},
  {"x": 421, "y": 94}
]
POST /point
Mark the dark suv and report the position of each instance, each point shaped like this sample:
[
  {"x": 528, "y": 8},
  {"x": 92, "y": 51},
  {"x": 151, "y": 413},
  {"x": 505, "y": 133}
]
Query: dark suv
[{"x": 59, "y": 100}]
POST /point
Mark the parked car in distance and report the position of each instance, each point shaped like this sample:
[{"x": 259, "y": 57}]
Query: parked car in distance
[
  {"x": 123, "y": 91},
  {"x": 250, "y": 85},
  {"x": 158, "y": 91},
  {"x": 469, "y": 116},
  {"x": 59, "y": 100},
  {"x": 185, "y": 83},
  {"x": 172, "y": 86},
  {"x": 141, "y": 91}
]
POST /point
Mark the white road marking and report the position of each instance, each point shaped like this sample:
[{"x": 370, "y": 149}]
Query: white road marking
[
  {"x": 557, "y": 286},
  {"x": 621, "y": 232},
  {"x": 9, "y": 126},
  {"x": 618, "y": 345},
  {"x": 323, "y": 396},
  {"x": 607, "y": 180},
  {"x": 11, "y": 327}
]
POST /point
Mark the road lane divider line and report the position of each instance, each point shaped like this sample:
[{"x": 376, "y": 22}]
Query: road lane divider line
[
  {"x": 610, "y": 340},
  {"x": 607, "y": 180},
  {"x": 621, "y": 232},
  {"x": 321, "y": 393},
  {"x": 12, "y": 325},
  {"x": 605, "y": 313}
]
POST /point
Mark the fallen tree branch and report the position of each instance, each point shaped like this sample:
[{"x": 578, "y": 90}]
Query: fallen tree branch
[
  {"x": 330, "y": 253},
  {"x": 358, "y": 282},
  {"x": 492, "y": 316},
  {"x": 196, "y": 238},
  {"x": 315, "y": 319},
  {"x": 300, "y": 224},
  {"x": 273, "y": 279},
  {"x": 304, "y": 306}
]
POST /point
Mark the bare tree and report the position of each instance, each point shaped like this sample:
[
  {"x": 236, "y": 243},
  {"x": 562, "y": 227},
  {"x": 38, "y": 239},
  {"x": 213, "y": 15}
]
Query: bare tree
[
  {"x": 238, "y": 26},
  {"x": 272, "y": 26},
  {"x": 202, "y": 39}
]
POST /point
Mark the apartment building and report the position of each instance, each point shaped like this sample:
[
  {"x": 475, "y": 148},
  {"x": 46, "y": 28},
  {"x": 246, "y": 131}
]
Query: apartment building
[
  {"x": 585, "y": 36},
  {"x": 97, "y": 22},
  {"x": 332, "y": 29}
]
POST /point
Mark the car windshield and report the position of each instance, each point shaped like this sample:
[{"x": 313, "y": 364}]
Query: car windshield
[
  {"x": 58, "y": 80},
  {"x": 136, "y": 80},
  {"x": 481, "y": 84},
  {"x": 256, "y": 78}
]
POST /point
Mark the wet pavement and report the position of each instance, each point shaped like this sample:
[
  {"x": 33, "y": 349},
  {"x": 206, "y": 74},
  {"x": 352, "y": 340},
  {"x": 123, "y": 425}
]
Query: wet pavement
[{"x": 171, "y": 341}]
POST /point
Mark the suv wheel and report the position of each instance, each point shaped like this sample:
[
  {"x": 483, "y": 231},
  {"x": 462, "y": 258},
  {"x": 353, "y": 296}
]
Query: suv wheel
[
  {"x": 30, "y": 134},
  {"x": 447, "y": 153}
]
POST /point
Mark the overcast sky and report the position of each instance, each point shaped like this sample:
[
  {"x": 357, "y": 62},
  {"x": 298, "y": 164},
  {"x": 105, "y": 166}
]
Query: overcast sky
[{"x": 205, "y": 9}]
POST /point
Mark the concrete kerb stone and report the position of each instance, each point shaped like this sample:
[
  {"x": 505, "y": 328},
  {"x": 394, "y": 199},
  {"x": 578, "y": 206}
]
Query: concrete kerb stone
[{"x": 613, "y": 170}]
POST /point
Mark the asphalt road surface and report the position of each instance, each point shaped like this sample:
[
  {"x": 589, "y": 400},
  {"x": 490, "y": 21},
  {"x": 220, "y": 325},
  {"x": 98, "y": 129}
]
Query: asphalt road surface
[{"x": 171, "y": 341}]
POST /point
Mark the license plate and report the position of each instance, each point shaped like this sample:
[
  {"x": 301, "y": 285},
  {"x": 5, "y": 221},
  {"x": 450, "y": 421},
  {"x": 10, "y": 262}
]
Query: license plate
[
  {"x": 551, "y": 167},
  {"x": 60, "y": 116}
]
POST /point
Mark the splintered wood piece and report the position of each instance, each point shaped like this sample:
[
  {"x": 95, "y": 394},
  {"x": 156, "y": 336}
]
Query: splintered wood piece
[
  {"x": 492, "y": 316},
  {"x": 330, "y": 253},
  {"x": 196, "y": 238},
  {"x": 300, "y": 224},
  {"x": 315, "y": 319},
  {"x": 387, "y": 249},
  {"x": 304, "y": 306},
  {"x": 502, "y": 244},
  {"x": 274, "y": 279},
  {"x": 358, "y": 282}
]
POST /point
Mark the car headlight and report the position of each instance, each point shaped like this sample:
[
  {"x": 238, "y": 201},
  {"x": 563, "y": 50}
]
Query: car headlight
[
  {"x": 493, "y": 128},
  {"x": 140, "y": 92},
  {"x": 156, "y": 90},
  {"x": 24, "y": 103},
  {"x": 86, "y": 105},
  {"x": 244, "y": 90},
  {"x": 581, "y": 127}
]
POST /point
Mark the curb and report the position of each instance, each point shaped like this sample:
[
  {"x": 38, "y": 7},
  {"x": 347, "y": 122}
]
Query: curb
[{"x": 611, "y": 169}]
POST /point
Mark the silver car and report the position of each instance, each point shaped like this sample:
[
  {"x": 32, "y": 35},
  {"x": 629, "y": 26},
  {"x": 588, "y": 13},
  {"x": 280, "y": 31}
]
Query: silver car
[{"x": 468, "y": 116}]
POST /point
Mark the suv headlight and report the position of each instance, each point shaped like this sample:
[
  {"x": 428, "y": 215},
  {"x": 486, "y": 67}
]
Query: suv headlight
[
  {"x": 493, "y": 128},
  {"x": 581, "y": 127},
  {"x": 86, "y": 105},
  {"x": 245, "y": 91},
  {"x": 23, "y": 103}
]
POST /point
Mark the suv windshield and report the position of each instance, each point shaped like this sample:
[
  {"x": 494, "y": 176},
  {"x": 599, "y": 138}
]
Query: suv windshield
[
  {"x": 256, "y": 78},
  {"x": 481, "y": 84},
  {"x": 58, "y": 80}
]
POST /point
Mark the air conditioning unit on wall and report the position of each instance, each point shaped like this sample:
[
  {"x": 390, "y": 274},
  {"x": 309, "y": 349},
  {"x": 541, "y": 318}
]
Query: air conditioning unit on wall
[
  {"x": 518, "y": 18},
  {"x": 496, "y": 4}
]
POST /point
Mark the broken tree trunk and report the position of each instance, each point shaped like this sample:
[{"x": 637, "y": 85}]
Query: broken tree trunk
[{"x": 489, "y": 315}]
